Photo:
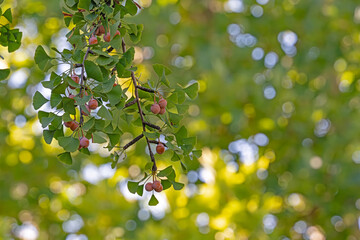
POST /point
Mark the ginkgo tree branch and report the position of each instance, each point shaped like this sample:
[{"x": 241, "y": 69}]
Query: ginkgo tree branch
[{"x": 136, "y": 86}]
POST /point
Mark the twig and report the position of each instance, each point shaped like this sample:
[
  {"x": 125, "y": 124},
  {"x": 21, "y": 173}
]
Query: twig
[
  {"x": 152, "y": 125},
  {"x": 145, "y": 89},
  {"x": 133, "y": 141},
  {"x": 130, "y": 103},
  {"x": 157, "y": 142}
]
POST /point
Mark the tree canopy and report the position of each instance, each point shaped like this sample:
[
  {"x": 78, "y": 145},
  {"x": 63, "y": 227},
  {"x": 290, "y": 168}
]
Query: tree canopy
[{"x": 276, "y": 117}]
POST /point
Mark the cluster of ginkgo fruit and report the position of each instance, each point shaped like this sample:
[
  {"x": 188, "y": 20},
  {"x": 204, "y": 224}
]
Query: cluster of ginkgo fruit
[
  {"x": 155, "y": 185},
  {"x": 100, "y": 30},
  {"x": 91, "y": 105}
]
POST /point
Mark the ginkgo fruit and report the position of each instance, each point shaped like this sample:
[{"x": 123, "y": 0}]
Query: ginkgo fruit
[{"x": 155, "y": 108}]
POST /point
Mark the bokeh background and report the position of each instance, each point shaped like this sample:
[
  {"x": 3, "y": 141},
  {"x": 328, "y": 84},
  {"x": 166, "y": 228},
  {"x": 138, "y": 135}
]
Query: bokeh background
[{"x": 277, "y": 118}]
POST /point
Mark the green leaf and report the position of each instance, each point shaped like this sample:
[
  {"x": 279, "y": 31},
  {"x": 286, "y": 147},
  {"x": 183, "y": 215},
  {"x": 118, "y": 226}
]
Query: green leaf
[
  {"x": 189, "y": 141},
  {"x": 85, "y": 151},
  {"x": 70, "y": 144},
  {"x": 132, "y": 186},
  {"x": 151, "y": 135},
  {"x": 140, "y": 190},
  {"x": 174, "y": 118},
  {"x": 39, "y": 100},
  {"x": 180, "y": 135},
  {"x": 7, "y": 15},
  {"x": 164, "y": 80},
  {"x": 149, "y": 166},
  {"x": 84, "y": 4},
  {"x": 89, "y": 124},
  {"x": 69, "y": 105},
  {"x": 48, "y": 136},
  {"x": 93, "y": 71},
  {"x": 4, "y": 73},
  {"x": 131, "y": 7},
  {"x": 165, "y": 172},
  {"x": 192, "y": 90},
  {"x": 115, "y": 95},
  {"x": 114, "y": 139},
  {"x": 135, "y": 38},
  {"x": 99, "y": 137},
  {"x": 177, "y": 185},
  {"x": 55, "y": 99},
  {"x": 175, "y": 157},
  {"x": 153, "y": 201},
  {"x": 197, "y": 153},
  {"x": 65, "y": 158},
  {"x": 182, "y": 109},
  {"x": 160, "y": 69},
  {"x": 104, "y": 113},
  {"x": 125, "y": 61},
  {"x": 191, "y": 164},
  {"x": 42, "y": 59},
  {"x": 166, "y": 184},
  {"x": 103, "y": 61}
]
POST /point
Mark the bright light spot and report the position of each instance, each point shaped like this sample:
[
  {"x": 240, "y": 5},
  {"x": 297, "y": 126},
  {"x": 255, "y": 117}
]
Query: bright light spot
[
  {"x": 257, "y": 54},
  {"x": 300, "y": 227},
  {"x": 74, "y": 224},
  {"x": 18, "y": 78},
  {"x": 259, "y": 78},
  {"x": 257, "y": 11},
  {"x": 322, "y": 127},
  {"x": 192, "y": 176},
  {"x": 232, "y": 167},
  {"x": 356, "y": 157},
  {"x": 261, "y": 139},
  {"x": 206, "y": 175},
  {"x": 357, "y": 204},
  {"x": 27, "y": 231},
  {"x": 313, "y": 233},
  {"x": 76, "y": 237},
  {"x": 106, "y": 171},
  {"x": 20, "y": 121},
  {"x": 174, "y": 18},
  {"x": 191, "y": 189},
  {"x": 90, "y": 173},
  {"x": 288, "y": 108},
  {"x": 94, "y": 174},
  {"x": 262, "y": 2},
  {"x": 143, "y": 214},
  {"x": 269, "y": 92},
  {"x": 236, "y": 6},
  {"x": 307, "y": 142},
  {"x": 269, "y": 222},
  {"x": 357, "y": 15},
  {"x": 248, "y": 152},
  {"x": 262, "y": 174},
  {"x": 316, "y": 162},
  {"x": 294, "y": 199},
  {"x": 130, "y": 225},
  {"x": 202, "y": 219},
  {"x": 271, "y": 59},
  {"x": 148, "y": 53},
  {"x": 234, "y": 29},
  {"x": 288, "y": 39},
  {"x": 245, "y": 40},
  {"x": 335, "y": 219}
]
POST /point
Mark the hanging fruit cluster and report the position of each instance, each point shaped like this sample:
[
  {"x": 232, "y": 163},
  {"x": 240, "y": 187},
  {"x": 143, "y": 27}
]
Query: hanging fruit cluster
[{"x": 90, "y": 98}]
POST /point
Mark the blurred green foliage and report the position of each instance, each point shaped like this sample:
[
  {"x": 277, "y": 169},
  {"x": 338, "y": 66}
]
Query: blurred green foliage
[{"x": 297, "y": 181}]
